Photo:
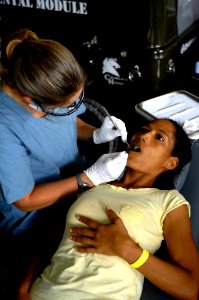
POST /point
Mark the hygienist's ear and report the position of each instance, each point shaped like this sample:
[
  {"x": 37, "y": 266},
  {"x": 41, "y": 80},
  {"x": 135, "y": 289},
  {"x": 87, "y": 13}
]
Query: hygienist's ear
[
  {"x": 32, "y": 104},
  {"x": 27, "y": 99},
  {"x": 172, "y": 163}
]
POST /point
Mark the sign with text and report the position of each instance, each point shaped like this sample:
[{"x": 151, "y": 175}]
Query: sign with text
[{"x": 73, "y": 7}]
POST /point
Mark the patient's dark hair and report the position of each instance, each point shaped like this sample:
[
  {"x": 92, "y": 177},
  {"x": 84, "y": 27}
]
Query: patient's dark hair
[{"x": 182, "y": 150}]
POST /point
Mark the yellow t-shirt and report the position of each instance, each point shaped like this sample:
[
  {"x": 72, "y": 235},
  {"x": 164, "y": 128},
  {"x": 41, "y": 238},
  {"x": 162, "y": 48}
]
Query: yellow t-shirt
[{"x": 77, "y": 276}]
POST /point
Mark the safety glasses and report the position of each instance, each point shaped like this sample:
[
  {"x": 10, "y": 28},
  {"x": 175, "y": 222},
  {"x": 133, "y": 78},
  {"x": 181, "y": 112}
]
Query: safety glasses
[
  {"x": 59, "y": 111},
  {"x": 68, "y": 110}
]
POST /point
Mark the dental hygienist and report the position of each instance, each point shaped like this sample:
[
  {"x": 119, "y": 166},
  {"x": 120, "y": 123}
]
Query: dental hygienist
[{"x": 40, "y": 103}]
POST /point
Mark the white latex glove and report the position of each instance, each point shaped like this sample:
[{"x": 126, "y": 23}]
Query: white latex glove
[
  {"x": 107, "y": 132},
  {"x": 107, "y": 168}
]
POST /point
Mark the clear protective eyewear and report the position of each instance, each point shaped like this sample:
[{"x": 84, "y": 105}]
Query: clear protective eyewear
[{"x": 55, "y": 112}]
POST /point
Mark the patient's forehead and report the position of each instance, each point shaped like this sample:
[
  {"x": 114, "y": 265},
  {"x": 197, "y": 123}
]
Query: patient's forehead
[
  {"x": 163, "y": 122},
  {"x": 163, "y": 125}
]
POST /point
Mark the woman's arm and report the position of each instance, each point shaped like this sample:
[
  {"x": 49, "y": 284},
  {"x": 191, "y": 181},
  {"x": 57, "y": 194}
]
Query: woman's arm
[
  {"x": 107, "y": 168},
  {"x": 179, "y": 277},
  {"x": 47, "y": 194},
  {"x": 37, "y": 264},
  {"x": 32, "y": 272},
  {"x": 84, "y": 130},
  {"x": 44, "y": 195}
]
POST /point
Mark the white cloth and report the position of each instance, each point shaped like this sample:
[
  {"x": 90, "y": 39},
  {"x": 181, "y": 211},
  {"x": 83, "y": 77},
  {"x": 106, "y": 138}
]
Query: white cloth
[
  {"x": 76, "y": 276},
  {"x": 192, "y": 129}
]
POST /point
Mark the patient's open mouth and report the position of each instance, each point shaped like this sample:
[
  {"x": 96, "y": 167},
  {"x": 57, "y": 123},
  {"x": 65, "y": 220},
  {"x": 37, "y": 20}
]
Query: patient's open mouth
[{"x": 134, "y": 148}]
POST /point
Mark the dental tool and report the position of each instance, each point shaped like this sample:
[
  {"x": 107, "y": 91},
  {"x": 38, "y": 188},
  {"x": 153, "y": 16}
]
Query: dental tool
[{"x": 115, "y": 125}]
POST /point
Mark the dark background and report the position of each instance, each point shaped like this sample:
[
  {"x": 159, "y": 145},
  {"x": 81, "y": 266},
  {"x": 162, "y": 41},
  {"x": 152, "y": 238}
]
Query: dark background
[{"x": 141, "y": 35}]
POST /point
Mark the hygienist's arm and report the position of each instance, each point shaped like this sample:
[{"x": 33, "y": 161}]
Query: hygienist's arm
[
  {"x": 84, "y": 130},
  {"x": 44, "y": 195},
  {"x": 107, "y": 168}
]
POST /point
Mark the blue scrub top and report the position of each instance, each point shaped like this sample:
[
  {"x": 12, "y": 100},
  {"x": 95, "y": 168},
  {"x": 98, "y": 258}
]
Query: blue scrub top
[{"x": 33, "y": 150}]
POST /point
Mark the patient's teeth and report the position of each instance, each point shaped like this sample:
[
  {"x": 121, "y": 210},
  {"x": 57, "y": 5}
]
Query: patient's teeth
[{"x": 135, "y": 148}]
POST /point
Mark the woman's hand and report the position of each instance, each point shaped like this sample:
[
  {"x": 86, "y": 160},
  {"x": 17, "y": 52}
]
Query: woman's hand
[{"x": 108, "y": 239}]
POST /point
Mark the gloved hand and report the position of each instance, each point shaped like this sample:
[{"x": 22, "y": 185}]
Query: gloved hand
[
  {"x": 107, "y": 168},
  {"x": 107, "y": 132}
]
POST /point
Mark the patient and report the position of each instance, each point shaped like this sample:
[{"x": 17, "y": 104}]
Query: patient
[{"x": 113, "y": 230}]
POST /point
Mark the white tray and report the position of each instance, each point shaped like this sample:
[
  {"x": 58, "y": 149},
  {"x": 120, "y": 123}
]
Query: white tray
[{"x": 180, "y": 106}]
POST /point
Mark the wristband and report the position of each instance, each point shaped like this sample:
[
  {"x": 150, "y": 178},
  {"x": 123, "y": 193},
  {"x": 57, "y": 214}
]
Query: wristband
[{"x": 141, "y": 260}]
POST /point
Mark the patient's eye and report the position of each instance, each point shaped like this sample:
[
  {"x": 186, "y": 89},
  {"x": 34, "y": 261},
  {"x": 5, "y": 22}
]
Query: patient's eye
[{"x": 159, "y": 137}]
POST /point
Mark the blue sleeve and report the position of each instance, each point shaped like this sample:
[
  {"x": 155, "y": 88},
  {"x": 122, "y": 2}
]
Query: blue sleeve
[
  {"x": 22, "y": 158},
  {"x": 15, "y": 173}
]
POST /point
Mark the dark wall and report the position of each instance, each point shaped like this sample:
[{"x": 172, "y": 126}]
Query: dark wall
[
  {"x": 143, "y": 59},
  {"x": 94, "y": 31}
]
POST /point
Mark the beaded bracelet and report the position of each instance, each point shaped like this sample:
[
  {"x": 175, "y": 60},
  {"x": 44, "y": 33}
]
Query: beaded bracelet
[{"x": 141, "y": 260}]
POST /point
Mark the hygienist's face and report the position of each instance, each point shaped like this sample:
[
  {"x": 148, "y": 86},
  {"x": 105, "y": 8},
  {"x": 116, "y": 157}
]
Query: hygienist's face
[{"x": 150, "y": 149}]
